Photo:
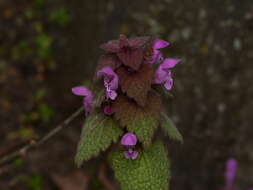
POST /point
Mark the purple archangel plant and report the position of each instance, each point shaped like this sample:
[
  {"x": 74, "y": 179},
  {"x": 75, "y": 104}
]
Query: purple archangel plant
[{"x": 124, "y": 109}]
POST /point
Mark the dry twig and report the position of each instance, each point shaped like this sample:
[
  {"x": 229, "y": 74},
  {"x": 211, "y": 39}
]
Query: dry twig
[{"x": 33, "y": 143}]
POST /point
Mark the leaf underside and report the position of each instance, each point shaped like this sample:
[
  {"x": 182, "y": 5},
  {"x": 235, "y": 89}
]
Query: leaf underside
[
  {"x": 150, "y": 171},
  {"x": 136, "y": 85},
  {"x": 139, "y": 120},
  {"x": 98, "y": 132},
  {"x": 170, "y": 129}
]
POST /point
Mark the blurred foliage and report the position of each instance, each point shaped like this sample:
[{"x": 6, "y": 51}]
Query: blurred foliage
[
  {"x": 40, "y": 94},
  {"x": 60, "y": 16},
  {"x": 17, "y": 163},
  {"x": 46, "y": 112},
  {"x": 39, "y": 3},
  {"x": 33, "y": 182},
  {"x": 24, "y": 132},
  {"x": 43, "y": 43}
]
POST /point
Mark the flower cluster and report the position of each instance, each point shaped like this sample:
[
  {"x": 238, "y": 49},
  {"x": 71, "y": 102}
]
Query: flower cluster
[{"x": 128, "y": 71}]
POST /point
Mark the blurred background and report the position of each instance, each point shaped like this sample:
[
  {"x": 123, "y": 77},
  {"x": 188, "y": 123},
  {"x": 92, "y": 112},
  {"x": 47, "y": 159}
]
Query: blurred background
[{"x": 49, "y": 46}]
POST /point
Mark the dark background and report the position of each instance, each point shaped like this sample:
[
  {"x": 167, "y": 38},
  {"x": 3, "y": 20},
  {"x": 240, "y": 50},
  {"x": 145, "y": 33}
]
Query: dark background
[{"x": 47, "y": 47}]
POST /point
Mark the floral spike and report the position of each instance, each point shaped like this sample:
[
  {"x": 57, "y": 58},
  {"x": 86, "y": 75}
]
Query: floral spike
[{"x": 129, "y": 106}]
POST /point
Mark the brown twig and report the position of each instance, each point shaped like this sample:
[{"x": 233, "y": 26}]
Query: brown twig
[{"x": 33, "y": 143}]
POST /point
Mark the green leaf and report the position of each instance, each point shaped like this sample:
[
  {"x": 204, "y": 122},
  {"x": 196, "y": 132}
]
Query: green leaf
[
  {"x": 143, "y": 125},
  {"x": 98, "y": 133},
  {"x": 170, "y": 129},
  {"x": 150, "y": 171}
]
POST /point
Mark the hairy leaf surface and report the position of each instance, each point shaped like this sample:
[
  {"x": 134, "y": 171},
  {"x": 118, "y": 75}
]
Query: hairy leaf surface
[
  {"x": 136, "y": 84},
  {"x": 131, "y": 57},
  {"x": 108, "y": 60},
  {"x": 170, "y": 129},
  {"x": 150, "y": 171},
  {"x": 98, "y": 133},
  {"x": 139, "y": 120}
]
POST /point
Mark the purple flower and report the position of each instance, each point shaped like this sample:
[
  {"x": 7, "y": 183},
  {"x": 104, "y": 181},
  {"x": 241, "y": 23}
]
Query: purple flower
[
  {"x": 155, "y": 51},
  {"x": 163, "y": 73},
  {"x": 129, "y": 140},
  {"x": 108, "y": 110},
  {"x": 131, "y": 154},
  {"x": 88, "y": 97},
  {"x": 111, "y": 81},
  {"x": 231, "y": 168}
]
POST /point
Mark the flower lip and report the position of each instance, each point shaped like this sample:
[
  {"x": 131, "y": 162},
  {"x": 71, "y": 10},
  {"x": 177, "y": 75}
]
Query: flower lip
[
  {"x": 129, "y": 139},
  {"x": 131, "y": 154}
]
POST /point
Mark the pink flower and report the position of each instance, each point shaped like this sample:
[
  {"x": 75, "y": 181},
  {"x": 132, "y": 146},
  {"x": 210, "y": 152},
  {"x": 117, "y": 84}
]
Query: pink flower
[
  {"x": 231, "y": 168},
  {"x": 88, "y": 97},
  {"x": 156, "y": 53},
  {"x": 111, "y": 81},
  {"x": 130, "y": 140},
  {"x": 163, "y": 73}
]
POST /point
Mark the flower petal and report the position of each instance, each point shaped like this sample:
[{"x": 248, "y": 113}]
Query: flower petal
[
  {"x": 130, "y": 154},
  {"x": 134, "y": 155},
  {"x": 231, "y": 168},
  {"x": 168, "y": 84},
  {"x": 158, "y": 44},
  {"x": 110, "y": 77},
  {"x": 160, "y": 76},
  {"x": 111, "y": 94},
  {"x": 169, "y": 63},
  {"x": 129, "y": 139},
  {"x": 81, "y": 91}
]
